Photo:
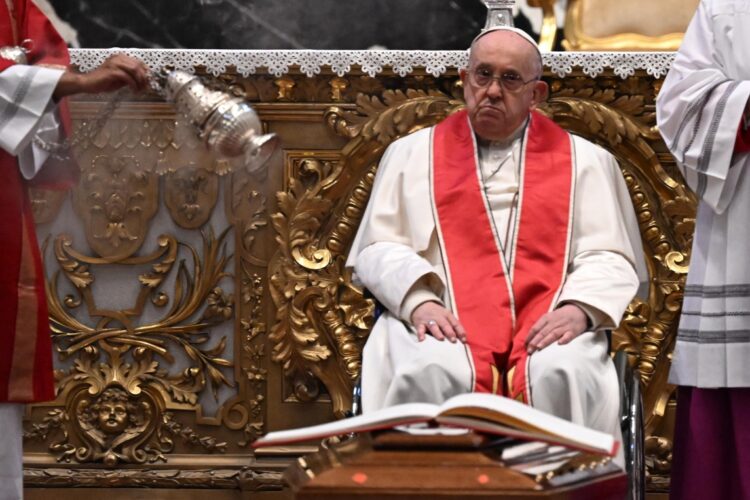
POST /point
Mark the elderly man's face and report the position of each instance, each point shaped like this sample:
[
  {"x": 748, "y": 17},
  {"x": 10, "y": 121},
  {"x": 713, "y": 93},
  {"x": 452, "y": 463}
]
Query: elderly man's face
[{"x": 495, "y": 110}]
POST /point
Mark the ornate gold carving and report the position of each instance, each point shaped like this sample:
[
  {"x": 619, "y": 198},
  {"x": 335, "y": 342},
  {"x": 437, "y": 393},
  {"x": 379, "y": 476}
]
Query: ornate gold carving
[
  {"x": 112, "y": 427},
  {"x": 397, "y": 114},
  {"x": 252, "y": 290},
  {"x": 322, "y": 318},
  {"x": 115, "y": 409},
  {"x": 253, "y": 355},
  {"x": 119, "y": 190},
  {"x": 247, "y": 208},
  {"x": 116, "y": 199},
  {"x": 311, "y": 325},
  {"x": 240, "y": 478},
  {"x": 306, "y": 387},
  {"x": 659, "y": 453},
  {"x": 308, "y": 317},
  {"x": 328, "y": 87},
  {"x": 125, "y": 134},
  {"x": 286, "y": 88},
  {"x": 122, "y": 421},
  {"x": 55, "y": 420},
  {"x": 76, "y": 267},
  {"x": 160, "y": 141},
  {"x": 338, "y": 86},
  {"x": 190, "y": 194},
  {"x": 208, "y": 443},
  {"x": 258, "y": 88}
]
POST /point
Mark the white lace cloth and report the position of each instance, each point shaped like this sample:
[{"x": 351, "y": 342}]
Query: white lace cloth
[{"x": 371, "y": 62}]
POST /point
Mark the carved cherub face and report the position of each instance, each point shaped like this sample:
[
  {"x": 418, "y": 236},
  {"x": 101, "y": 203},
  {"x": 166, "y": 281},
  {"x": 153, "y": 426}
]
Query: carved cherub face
[
  {"x": 113, "y": 412},
  {"x": 113, "y": 417}
]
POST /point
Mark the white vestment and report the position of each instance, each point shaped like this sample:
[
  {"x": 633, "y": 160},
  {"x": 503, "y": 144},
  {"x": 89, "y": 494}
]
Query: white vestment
[
  {"x": 26, "y": 110},
  {"x": 396, "y": 256},
  {"x": 699, "y": 110}
]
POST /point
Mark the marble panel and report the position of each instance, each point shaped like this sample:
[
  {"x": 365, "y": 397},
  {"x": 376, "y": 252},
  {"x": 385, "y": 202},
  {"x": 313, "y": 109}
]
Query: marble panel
[{"x": 270, "y": 24}]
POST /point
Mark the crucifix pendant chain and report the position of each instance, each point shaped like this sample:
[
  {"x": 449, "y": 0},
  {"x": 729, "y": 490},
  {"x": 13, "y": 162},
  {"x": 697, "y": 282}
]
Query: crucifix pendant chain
[{"x": 513, "y": 203}]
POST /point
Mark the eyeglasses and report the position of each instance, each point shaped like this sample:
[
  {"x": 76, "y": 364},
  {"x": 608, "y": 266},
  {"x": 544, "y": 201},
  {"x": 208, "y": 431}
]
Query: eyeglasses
[{"x": 510, "y": 80}]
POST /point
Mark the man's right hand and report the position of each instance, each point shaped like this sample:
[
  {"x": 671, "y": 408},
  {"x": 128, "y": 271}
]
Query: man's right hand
[
  {"x": 433, "y": 318},
  {"x": 119, "y": 70}
]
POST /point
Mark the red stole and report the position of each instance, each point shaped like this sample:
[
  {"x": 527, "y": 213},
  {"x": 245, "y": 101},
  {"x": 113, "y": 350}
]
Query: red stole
[
  {"x": 496, "y": 313},
  {"x": 26, "y": 353}
]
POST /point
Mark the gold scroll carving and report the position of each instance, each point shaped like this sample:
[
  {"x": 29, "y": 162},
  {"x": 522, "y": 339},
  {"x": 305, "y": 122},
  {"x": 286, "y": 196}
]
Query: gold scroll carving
[
  {"x": 321, "y": 319},
  {"x": 129, "y": 375},
  {"x": 247, "y": 210},
  {"x": 118, "y": 390}
]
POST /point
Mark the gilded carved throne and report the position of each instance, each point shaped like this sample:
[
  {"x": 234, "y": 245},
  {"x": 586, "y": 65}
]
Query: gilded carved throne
[{"x": 320, "y": 329}]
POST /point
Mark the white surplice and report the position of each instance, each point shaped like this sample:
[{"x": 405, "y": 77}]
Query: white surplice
[
  {"x": 396, "y": 256},
  {"x": 27, "y": 110},
  {"x": 699, "y": 111}
]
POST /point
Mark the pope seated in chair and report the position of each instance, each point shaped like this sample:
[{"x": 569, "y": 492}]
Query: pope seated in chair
[{"x": 501, "y": 247}]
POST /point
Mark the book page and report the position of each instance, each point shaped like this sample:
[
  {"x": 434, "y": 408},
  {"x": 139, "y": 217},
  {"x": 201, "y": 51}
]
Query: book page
[
  {"x": 424, "y": 429},
  {"x": 523, "y": 451},
  {"x": 381, "y": 419},
  {"x": 515, "y": 415}
]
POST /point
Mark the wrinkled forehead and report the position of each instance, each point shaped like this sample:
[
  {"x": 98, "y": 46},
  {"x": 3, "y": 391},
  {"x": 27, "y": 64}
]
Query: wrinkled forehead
[{"x": 525, "y": 48}]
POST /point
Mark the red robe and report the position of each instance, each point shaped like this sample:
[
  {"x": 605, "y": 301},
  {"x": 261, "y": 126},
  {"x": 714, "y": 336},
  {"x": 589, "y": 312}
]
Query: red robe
[{"x": 25, "y": 344}]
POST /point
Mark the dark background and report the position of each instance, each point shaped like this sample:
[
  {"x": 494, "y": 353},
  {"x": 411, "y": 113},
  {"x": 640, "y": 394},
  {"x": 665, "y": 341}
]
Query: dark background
[{"x": 276, "y": 24}]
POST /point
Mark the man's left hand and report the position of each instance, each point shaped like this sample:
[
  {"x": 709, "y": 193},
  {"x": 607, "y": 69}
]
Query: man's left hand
[{"x": 561, "y": 325}]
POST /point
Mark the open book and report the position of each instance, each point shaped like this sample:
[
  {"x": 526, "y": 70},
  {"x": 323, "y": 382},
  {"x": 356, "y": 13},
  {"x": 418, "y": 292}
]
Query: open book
[{"x": 477, "y": 411}]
